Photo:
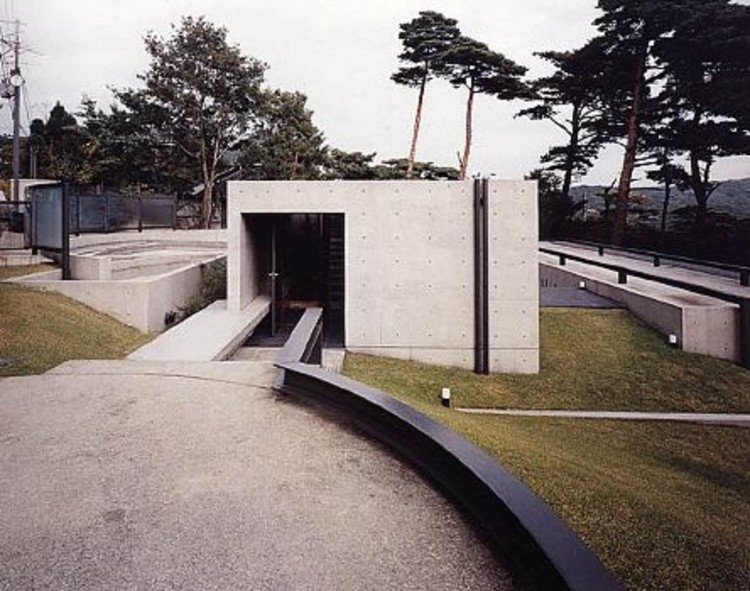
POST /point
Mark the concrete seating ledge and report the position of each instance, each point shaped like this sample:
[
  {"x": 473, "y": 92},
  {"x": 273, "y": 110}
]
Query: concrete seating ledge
[{"x": 212, "y": 334}]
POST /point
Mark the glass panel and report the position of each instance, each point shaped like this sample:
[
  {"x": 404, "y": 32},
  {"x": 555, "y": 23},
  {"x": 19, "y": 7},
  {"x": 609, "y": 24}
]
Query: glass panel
[{"x": 47, "y": 208}]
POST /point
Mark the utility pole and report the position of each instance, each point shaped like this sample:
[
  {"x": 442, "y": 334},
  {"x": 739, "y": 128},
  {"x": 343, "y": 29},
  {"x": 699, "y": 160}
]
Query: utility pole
[{"x": 16, "y": 81}]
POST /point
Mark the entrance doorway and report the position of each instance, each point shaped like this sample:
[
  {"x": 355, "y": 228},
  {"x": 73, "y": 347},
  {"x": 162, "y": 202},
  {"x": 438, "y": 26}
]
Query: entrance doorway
[{"x": 301, "y": 265}]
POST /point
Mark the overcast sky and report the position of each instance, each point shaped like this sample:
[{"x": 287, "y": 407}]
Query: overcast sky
[{"x": 340, "y": 53}]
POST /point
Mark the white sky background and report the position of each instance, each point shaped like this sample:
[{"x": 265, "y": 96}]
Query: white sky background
[{"x": 340, "y": 53}]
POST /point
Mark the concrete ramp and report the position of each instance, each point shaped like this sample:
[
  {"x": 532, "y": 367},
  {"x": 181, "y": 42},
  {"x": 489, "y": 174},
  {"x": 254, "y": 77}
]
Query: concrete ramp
[{"x": 209, "y": 335}]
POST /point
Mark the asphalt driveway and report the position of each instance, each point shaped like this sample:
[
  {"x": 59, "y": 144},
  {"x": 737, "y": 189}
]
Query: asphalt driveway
[{"x": 138, "y": 475}]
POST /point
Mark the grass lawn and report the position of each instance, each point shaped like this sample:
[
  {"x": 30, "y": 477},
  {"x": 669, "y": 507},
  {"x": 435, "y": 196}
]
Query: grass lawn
[
  {"x": 590, "y": 360},
  {"x": 41, "y": 329},
  {"x": 665, "y": 505}
]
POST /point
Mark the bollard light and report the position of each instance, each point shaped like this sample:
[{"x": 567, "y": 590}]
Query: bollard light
[
  {"x": 673, "y": 340},
  {"x": 581, "y": 285},
  {"x": 445, "y": 397}
]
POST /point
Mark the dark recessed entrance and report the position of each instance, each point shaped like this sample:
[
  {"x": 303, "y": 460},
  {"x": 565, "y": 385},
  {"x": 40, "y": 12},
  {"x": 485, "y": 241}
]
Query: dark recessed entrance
[{"x": 301, "y": 265}]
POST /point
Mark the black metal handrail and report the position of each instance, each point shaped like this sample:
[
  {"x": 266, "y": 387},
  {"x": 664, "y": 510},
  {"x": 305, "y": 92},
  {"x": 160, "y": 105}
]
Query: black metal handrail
[
  {"x": 622, "y": 277},
  {"x": 742, "y": 270}
]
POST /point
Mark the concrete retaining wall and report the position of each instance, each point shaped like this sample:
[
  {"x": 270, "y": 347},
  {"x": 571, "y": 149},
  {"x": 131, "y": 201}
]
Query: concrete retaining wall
[
  {"x": 702, "y": 325},
  {"x": 410, "y": 264},
  {"x": 142, "y": 303}
]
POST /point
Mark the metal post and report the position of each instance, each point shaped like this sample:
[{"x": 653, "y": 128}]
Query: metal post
[
  {"x": 140, "y": 213},
  {"x": 622, "y": 276},
  {"x": 65, "y": 232},
  {"x": 481, "y": 271},
  {"x": 106, "y": 214},
  {"x": 744, "y": 278},
  {"x": 657, "y": 261},
  {"x": 17, "y": 81},
  {"x": 562, "y": 260},
  {"x": 78, "y": 215},
  {"x": 601, "y": 251},
  {"x": 486, "y": 273}
]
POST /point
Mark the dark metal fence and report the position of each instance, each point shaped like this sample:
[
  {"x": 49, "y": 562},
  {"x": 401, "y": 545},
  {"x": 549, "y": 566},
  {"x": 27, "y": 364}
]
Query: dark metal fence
[
  {"x": 115, "y": 213},
  {"x": 743, "y": 272}
]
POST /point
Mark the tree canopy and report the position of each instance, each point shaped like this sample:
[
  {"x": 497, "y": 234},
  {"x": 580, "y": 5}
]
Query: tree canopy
[
  {"x": 199, "y": 100},
  {"x": 425, "y": 39},
  {"x": 473, "y": 65}
]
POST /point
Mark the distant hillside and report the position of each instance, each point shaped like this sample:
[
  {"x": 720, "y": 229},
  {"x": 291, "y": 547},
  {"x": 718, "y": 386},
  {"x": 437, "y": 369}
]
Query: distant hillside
[{"x": 732, "y": 197}]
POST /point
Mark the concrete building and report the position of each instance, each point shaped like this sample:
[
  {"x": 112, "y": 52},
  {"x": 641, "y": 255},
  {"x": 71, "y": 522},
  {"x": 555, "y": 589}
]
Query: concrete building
[{"x": 440, "y": 272}]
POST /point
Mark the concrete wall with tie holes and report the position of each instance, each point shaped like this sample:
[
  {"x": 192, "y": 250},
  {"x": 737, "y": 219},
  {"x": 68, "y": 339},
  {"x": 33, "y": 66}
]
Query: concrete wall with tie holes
[{"x": 409, "y": 249}]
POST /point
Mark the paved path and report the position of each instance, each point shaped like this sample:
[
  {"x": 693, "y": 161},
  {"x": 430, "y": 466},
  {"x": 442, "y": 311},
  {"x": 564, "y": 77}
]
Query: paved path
[
  {"x": 739, "y": 420},
  {"x": 573, "y": 297},
  {"x": 138, "y": 475},
  {"x": 211, "y": 334},
  {"x": 705, "y": 277}
]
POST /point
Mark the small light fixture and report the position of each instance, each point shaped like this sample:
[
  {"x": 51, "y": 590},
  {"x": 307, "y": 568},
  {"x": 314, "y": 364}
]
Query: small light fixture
[
  {"x": 581, "y": 285},
  {"x": 673, "y": 340},
  {"x": 445, "y": 397}
]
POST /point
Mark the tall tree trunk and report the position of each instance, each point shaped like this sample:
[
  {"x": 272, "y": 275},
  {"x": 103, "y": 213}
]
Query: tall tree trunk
[
  {"x": 417, "y": 123},
  {"x": 665, "y": 206},
  {"x": 467, "y": 143},
  {"x": 575, "y": 130},
  {"x": 207, "y": 209},
  {"x": 631, "y": 150},
  {"x": 700, "y": 190},
  {"x": 697, "y": 182},
  {"x": 209, "y": 164}
]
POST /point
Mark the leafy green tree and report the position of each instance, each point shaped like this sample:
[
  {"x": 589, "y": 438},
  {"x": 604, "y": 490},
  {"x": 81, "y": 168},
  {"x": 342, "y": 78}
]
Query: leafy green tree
[
  {"x": 285, "y": 143},
  {"x": 199, "y": 98},
  {"x": 121, "y": 156},
  {"x": 349, "y": 165},
  {"x": 425, "y": 40},
  {"x": 59, "y": 145},
  {"x": 634, "y": 33},
  {"x": 398, "y": 168},
  {"x": 556, "y": 210},
  {"x": 707, "y": 74},
  {"x": 569, "y": 99},
  {"x": 472, "y": 65}
]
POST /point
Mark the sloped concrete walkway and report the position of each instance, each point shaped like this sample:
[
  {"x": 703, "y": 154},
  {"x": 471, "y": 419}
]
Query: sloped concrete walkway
[
  {"x": 167, "y": 475},
  {"x": 212, "y": 334},
  {"x": 739, "y": 420}
]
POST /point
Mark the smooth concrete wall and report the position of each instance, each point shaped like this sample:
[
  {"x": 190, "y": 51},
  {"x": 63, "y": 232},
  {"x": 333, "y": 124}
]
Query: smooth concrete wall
[
  {"x": 142, "y": 303},
  {"x": 409, "y": 269},
  {"x": 90, "y": 268},
  {"x": 243, "y": 283},
  {"x": 702, "y": 325}
]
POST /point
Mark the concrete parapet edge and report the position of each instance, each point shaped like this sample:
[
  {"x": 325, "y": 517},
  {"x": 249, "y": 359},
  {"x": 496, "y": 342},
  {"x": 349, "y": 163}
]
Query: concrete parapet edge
[
  {"x": 708, "y": 326},
  {"x": 517, "y": 525}
]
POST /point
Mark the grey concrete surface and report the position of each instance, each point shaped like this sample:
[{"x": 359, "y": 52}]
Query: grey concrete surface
[
  {"x": 138, "y": 475},
  {"x": 409, "y": 261},
  {"x": 573, "y": 297},
  {"x": 211, "y": 334},
  {"x": 702, "y": 324},
  {"x": 733, "y": 419}
]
